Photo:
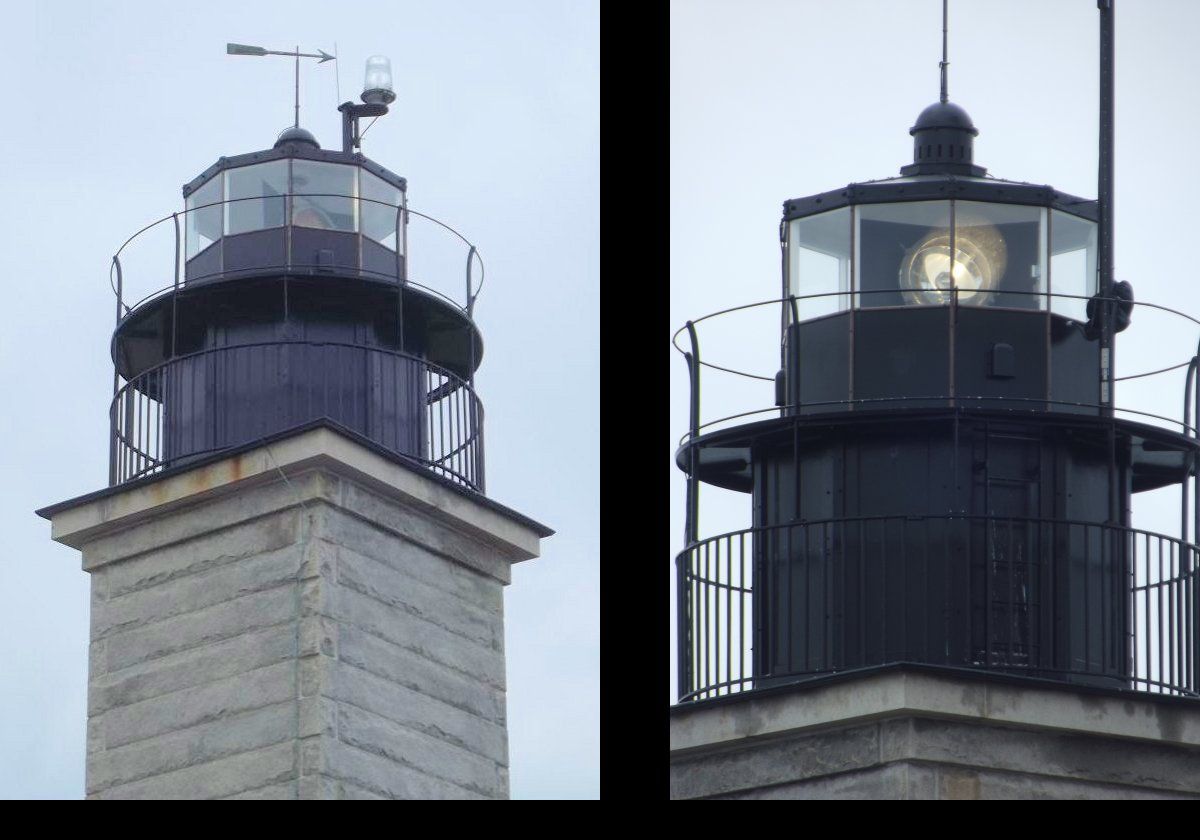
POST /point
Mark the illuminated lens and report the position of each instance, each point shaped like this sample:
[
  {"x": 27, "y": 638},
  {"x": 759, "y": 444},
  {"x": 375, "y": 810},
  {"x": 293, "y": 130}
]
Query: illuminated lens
[{"x": 931, "y": 271}]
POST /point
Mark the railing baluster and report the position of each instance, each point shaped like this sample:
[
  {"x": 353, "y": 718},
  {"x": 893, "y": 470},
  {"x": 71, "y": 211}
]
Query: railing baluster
[
  {"x": 705, "y": 615},
  {"x": 743, "y": 617},
  {"x": 728, "y": 616},
  {"x": 1149, "y": 659}
]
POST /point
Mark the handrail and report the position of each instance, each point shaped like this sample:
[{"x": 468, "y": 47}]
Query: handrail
[
  {"x": 368, "y": 347},
  {"x": 839, "y": 520},
  {"x": 791, "y": 298},
  {"x": 153, "y": 424},
  {"x": 1186, "y": 426},
  {"x": 267, "y": 270},
  {"x": 744, "y": 624},
  {"x": 473, "y": 254},
  {"x": 1188, "y": 430}
]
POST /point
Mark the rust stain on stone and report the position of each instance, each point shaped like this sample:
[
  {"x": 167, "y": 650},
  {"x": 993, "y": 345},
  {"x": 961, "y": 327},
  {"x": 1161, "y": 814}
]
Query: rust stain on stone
[
  {"x": 206, "y": 478},
  {"x": 158, "y": 492},
  {"x": 959, "y": 785}
]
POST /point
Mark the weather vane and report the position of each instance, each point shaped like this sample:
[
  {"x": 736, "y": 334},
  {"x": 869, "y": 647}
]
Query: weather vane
[{"x": 243, "y": 49}]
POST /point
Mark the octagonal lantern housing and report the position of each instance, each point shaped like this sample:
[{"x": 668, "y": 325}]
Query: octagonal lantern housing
[
  {"x": 927, "y": 287},
  {"x": 295, "y": 207}
]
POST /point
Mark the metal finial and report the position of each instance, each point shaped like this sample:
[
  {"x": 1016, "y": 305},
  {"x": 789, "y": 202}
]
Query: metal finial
[{"x": 944, "y": 63}]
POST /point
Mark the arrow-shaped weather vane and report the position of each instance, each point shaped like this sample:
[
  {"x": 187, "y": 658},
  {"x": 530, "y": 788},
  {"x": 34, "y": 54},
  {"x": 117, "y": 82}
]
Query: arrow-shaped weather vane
[{"x": 243, "y": 49}]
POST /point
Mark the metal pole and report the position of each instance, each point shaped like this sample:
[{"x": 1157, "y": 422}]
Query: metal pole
[
  {"x": 1105, "y": 196},
  {"x": 112, "y": 434},
  {"x": 112, "y": 426},
  {"x": 944, "y": 64},
  {"x": 348, "y": 128},
  {"x": 470, "y": 260},
  {"x": 788, "y": 368},
  {"x": 1104, "y": 191},
  {"x": 1196, "y": 467},
  {"x": 175, "y": 290},
  {"x": 470, "y": 321},
  {"x": 297, "y": 86},
  {"x": 783, "y": 316},
  {"x": 1194, "y": 567},
  {"x": 120, "y": 287},
  {"x": 691, "y": 525},
  {"x": 404, "y": 235},
  {"x": 683, "y": 644},
  {"x": 1188, "y": 459},
  {"x": 401, "y": 276}
]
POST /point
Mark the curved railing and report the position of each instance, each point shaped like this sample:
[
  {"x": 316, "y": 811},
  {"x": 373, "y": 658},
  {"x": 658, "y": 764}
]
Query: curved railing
[
  {"x": 1071, "y": 601},
  {"x": 159, "y": 249},
  {"x": 687, "y": 340},
  {"x": 216, "y": 399}
]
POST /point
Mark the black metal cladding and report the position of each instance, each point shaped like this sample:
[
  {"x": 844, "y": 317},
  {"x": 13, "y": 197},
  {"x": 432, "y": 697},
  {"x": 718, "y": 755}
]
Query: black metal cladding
[
  {"x": 294, "y": 150},
  {"x": 944, "y": 186},
  {"x": 887, "y": 580},
  {"x": 904, "y": 354},
  {"x": 943, "y": 141}
]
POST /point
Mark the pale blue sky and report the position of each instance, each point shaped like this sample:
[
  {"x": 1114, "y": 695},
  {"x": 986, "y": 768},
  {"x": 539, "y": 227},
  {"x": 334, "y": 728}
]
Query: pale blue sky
[
  {"x": 109, "y": 107},
  {"x": 777, "y": 99}
]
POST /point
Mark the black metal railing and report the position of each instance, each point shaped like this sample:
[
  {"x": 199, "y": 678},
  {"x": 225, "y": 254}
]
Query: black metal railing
[
  {"x": 1079, "y": 602},
  {"x": 159, "y": 267},
  {"x": 716, "y": 361},
  {"x": 223, "y": 397}
]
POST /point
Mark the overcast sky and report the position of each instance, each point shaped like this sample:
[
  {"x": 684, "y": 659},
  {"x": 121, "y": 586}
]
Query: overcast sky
[
  {"x": 110, "y": 107},
  {"x": 777, "y": 100}
]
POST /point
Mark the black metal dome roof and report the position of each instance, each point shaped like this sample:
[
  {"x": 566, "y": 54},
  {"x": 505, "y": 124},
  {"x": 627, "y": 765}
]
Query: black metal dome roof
[
  {"x": 296, "y": 134},
  {"x": 943, "y": 142},
  {"x": 944, "y": 115}
]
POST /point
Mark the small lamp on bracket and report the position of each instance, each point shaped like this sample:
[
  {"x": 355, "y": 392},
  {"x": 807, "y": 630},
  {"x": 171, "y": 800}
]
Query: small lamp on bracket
[{"x": 376, "y": 96}]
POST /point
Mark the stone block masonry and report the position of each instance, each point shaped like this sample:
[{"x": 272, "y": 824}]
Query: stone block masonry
[
  {"x": 303, "y": 620},
  {"x": 901, "y": 733}
]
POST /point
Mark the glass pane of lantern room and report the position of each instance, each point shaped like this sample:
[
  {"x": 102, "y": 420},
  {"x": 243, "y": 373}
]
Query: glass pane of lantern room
[
  {"x": 323, "y": 195},
  {"x": 204, "y": 225},
  {"x": 379, "y": 220},
  {"x": 1000, "y": 255},
  {"x": 1072, "y": 264},
  {"x": 818, "y": 265},
  {"x": 254, "y": 197},
  {"x": 902, "y": 254}
]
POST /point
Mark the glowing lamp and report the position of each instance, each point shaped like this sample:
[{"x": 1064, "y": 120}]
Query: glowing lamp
[{"x": 968, "y": 264}]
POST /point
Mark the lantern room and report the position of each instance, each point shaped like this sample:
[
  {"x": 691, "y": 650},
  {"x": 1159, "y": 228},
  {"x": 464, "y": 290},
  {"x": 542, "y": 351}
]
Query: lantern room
[
  {"x": 941, "y": 283},
  {"x": 296, "y": 207}
]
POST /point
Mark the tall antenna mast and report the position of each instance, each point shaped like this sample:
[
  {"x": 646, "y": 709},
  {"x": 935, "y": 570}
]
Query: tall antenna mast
[
  {"x": 944, "y": 63},
  {"x": 1104, "y": 198}
]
